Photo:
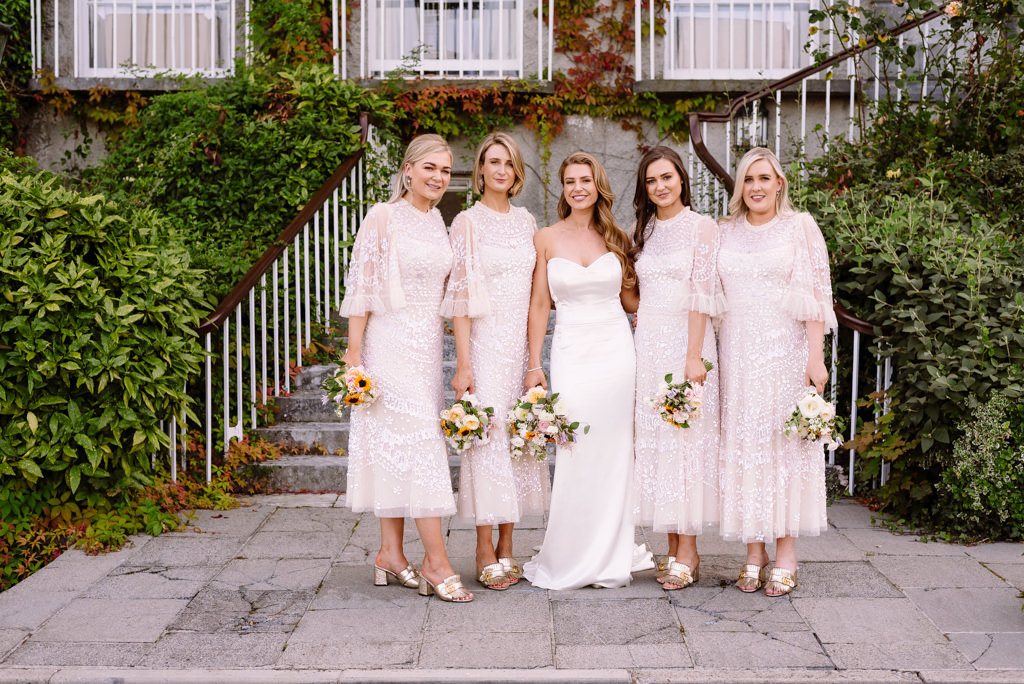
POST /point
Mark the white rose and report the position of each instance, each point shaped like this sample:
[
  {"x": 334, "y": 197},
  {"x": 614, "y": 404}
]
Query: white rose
[
  {"x": 472, "y": 422},
  {"x": 456, "y": 412},
  {"x": 551, "y": 429},
  {"x": 558, "y": 408},
  {"x": 545, "y": 417},
  {"x": 808, "y": 406},
  {"x": 470, "y": 397},
  {"x": 827, "y": 411},
  {"x": 520, "y": 413},
  {"x": 518, "y": 442}
]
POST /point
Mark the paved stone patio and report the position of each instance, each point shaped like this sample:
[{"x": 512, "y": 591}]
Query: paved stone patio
[{"x": 280, "y": 590}]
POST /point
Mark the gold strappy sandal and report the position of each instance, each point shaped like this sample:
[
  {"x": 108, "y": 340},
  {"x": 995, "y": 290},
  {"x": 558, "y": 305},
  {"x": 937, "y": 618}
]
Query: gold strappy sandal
[
  {"x": 512, "y": 569},
  {"x": 780, "y": 580},
  {"x": 752, "y": 577},
  {"x": 493, "y": 577},
  {"x": 662, "y": 567},
  {"x": 407, "y": 578},
  {"x": 450, "y": 589},
  {"x": 679, "y": 576}
]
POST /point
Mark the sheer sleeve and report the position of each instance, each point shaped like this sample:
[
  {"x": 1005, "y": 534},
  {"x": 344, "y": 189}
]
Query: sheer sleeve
[
  {"x": 705, "y": 295},
  {"x": 810, "y": 286},
  {"x": 373, "y": 282},
  {"x": 466, "y": 294}
]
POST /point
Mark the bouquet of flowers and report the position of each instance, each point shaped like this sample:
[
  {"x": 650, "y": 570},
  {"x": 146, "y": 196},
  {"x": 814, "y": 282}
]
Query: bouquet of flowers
[
  {"x": 536, "y": 419},
  {"x": 349, "y": 386},
  {"x": 465, "y": 422},
  {"x": 678, "y": 403},
  {"x": 814, "y": 419}
]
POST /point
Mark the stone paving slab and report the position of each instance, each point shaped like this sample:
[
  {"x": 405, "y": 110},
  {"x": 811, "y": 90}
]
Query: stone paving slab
[{"x": 279, "y": 592}]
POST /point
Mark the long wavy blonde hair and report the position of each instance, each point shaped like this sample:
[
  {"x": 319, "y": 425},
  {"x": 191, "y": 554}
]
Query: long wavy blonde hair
[
  {"x": 737, "y": 207},
  {"x": 603, "y": 219},
  {"x": 422, "y": 146}
]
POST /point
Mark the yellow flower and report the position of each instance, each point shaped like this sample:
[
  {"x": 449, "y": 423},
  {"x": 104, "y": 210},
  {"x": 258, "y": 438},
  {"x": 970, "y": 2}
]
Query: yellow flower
[
  {"x": 536, "y": 394},
  {"x": 953, "y": 9},
  {"x": 464, "y": 432},
  {"x": 352, "y": 399}
]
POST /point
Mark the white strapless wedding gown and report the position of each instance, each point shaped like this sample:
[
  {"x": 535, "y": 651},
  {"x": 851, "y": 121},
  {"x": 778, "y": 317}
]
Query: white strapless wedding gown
[{"x": 589, "y": 539}]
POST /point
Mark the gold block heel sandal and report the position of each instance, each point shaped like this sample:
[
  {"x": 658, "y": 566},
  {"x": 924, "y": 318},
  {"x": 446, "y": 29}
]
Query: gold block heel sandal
[
  {"x": 781, "y": 581},
  {"x": 450, "y": 589},
  {"x": 407, "y": 578},
  {"x": 493, "y": 577},
  {"x": 752, "y": 577},
  {"x": 512, "y": 569},
  {"x": 662, "y": 567},
  {"x": 679, "y": 576}
]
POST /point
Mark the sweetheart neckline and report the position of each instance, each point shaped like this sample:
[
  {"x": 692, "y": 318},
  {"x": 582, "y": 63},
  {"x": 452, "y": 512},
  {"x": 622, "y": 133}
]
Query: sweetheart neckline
[{"x": 579, "y": 264}]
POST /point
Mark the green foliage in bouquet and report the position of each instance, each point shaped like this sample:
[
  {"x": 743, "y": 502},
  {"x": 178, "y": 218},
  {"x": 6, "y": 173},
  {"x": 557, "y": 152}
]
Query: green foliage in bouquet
[{"x": 97, "y": 307}]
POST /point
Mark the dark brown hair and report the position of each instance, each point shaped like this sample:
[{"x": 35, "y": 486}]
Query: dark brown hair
[
  {"x": 604, "y": 221},
  {"x": 643, "y": 206}
]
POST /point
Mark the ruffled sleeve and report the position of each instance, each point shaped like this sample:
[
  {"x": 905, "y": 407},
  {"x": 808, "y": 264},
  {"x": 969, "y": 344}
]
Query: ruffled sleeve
[
  {"x": 373, "y": 282},
  {"x": 466, "y": 294},
  {"x": 810, "y": 285},
  {"x": 705, "y": 294}
]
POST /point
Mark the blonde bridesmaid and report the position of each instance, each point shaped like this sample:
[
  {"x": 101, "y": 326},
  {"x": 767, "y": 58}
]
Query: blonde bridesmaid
[
  {"x": 488, "y": 298},
  {"x": 398, "y": 460}
]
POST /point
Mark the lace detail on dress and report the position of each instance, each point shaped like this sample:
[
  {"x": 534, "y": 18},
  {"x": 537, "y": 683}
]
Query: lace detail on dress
[
  {"x": 771, "y": 485},
  {"x": 398, "y": 460},
  {"x": 676, "y": 471},
  {"x": 491, "y": 281}
]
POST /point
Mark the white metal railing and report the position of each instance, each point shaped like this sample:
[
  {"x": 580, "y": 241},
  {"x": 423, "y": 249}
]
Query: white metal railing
[
  {"x": 114, "y": 38},
  {"x": 256, "y": 337},
  {"x": 448, "y": 38}
]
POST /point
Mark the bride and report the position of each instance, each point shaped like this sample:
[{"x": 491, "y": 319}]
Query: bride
[{"x": 582, "y": 267}]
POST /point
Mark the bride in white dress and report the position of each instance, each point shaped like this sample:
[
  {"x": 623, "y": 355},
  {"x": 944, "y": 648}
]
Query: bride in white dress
[{"x": 582, "y": 267}]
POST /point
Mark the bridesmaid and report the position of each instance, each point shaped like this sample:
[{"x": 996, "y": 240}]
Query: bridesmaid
[
  {"x": 773, "y": 266},
  {"x": 488, "y": 297},
  {"x": 398, "y": 460},
  {"x": 676, "y": 470}
]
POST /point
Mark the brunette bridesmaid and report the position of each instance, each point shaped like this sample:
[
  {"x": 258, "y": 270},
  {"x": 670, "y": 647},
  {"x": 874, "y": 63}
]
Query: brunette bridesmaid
[
  {"x": 773, "y": 266},
  {"x": 489, "y": 298},
  {"x": 398, "y": 460},
  {"x": 676, "y": 469}
]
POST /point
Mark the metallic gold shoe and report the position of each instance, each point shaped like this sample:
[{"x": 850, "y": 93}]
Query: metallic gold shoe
[
  {"x": 407, "y": 578},
  {"x": 493, "y": 577},
  {"x": 752, "y": 577},
  {"x": 512, "y": 569},
  {"x": 780, "y": 580},
  {"x": 679, "y": 576},
  {"x": 450, "y": 589},
  {"x": 663, "y": 567}
]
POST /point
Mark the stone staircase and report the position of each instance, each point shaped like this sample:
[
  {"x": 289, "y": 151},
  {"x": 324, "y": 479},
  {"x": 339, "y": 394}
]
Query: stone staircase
[{"x": 316, "y": 439}]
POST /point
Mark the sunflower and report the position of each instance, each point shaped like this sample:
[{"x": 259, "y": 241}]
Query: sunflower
[
  {"x": 352, "y": 399},
  {"x": 465, "y": 432}
]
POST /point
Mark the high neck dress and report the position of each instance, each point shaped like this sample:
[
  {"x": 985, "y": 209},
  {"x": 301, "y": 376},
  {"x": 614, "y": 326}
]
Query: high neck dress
[
  {"x": 490, "y": 282},
  {"x": 676, "y": 472},
  {"x": 775, "y": 278},
  {"x": 398, "y": 459}
]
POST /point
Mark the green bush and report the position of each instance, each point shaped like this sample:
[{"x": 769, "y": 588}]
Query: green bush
[
  {"x": 231, "y": 165},
  {"x": 98, "y": 303}
]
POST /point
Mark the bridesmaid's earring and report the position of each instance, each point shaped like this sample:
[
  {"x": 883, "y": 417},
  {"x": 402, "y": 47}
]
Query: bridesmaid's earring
[{"x": 407, "y": 182}]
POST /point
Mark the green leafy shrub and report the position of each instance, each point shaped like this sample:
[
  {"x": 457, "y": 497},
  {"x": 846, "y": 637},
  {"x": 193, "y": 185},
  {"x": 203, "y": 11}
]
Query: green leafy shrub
[
  {"x": 231, "y": 165},
  {"x": 97, "y": 308},
  {"x": 983, "y": 480}
]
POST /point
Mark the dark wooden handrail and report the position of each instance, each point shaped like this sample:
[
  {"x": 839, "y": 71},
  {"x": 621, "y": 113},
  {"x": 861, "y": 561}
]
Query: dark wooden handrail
[
  {"x": 277, "y": 248},
  {"x": 696, "y": 118}
]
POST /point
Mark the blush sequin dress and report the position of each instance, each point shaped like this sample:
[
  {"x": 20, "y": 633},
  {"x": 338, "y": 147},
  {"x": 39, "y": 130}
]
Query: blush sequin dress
[
  {"x": 398, "y": 460},
  {"x": 775, "y": 278},
  {"x": 490, "y": 282},
  {"x": 676, "y": 471}
]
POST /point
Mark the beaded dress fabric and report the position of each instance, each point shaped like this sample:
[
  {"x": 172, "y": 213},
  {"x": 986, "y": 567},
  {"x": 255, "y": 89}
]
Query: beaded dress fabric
[
  {"x": 490, "y": 282},
  {"x": 398, "y": 459},
  {"x": 676, "y": 469},
  {"x": 775, "y": 277}
]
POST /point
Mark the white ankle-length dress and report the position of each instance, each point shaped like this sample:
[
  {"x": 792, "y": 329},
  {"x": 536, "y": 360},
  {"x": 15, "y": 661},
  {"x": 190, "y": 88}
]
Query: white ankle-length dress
[
  {"x": 491, "y": 279},
  {"x": 676, "y": 471},
  {"x": 775, "y": 278},
  {"x": 398, "y": 460}
]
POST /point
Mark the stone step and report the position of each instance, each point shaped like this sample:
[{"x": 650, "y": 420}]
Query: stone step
[
  {"x": 330, "y": 437},
  {"x": 308, "y": 407},
  {"x": 312, "y": 473}
]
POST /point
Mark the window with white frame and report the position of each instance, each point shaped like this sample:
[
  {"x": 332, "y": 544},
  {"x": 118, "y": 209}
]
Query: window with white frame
[
  {"x": 736, "y": 38},
  {"x": 118, "y": 37},
  {"x": 454, "y": 38}
]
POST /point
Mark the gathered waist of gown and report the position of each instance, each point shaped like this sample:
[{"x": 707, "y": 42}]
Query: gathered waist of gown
[{"x": 567, "y": 313}]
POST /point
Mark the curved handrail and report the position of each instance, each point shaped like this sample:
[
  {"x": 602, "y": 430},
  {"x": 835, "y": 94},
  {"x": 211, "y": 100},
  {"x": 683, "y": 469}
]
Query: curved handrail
[
  {"x": 277, "y": 248},
  {"x": 696, "y": 118}
]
